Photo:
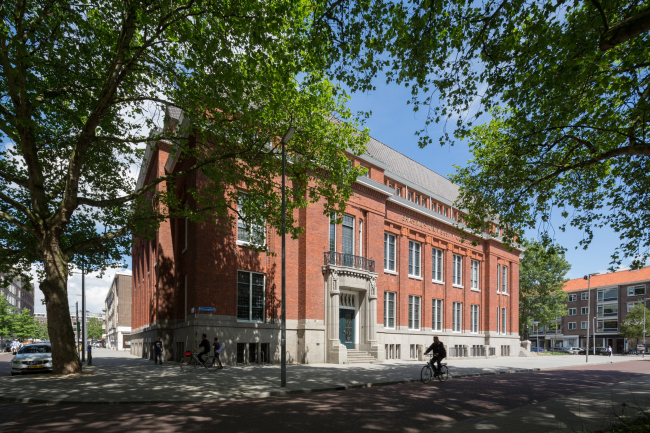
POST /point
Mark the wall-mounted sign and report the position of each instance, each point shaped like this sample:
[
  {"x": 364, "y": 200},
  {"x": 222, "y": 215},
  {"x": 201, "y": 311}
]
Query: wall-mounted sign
[{"x": 207, "y": 309}]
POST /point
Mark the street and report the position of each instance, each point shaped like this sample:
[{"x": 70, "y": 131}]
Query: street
[{"x": 408, "y": 407}]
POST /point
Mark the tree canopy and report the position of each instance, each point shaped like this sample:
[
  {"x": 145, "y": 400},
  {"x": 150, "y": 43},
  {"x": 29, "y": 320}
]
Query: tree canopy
[
  {"x": 95, "y": 330},
  {"x": 542, "y": 274},
  {"x": 633, "y": 325},
  {"x": 566, "y": 83},
  {"x": 83, "y": 89}
]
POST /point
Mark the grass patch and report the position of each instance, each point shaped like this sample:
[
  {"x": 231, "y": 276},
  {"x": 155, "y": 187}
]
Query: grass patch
[{"x": 553, "y": 354}]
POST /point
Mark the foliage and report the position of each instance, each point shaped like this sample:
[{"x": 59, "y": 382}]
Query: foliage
[
  {"x": 95, "y": 330},
  {"x": 25, "y": 326},
  {"x": 572, "y": 77},
  {"x": 633, "y": 325},
  {"x": 542, "y": 274},
  {"x": 41, "y": 331},
  {"x": 6, "y": 318},
  {"x": 81, "y": 90}
]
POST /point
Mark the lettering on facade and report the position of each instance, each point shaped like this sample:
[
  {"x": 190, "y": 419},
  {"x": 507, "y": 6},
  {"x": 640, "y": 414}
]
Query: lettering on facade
[{"x": 432, "y": 229}]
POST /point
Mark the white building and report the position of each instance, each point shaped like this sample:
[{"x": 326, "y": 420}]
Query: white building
[{"x": 118, "y": 312}]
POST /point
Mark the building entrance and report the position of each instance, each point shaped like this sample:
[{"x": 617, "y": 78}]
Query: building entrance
[{"x": 346, "y": 327}]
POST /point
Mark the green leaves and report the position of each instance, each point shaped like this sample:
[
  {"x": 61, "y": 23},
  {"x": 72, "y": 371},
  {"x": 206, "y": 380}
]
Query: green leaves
[{"x": 633, "y": 325}]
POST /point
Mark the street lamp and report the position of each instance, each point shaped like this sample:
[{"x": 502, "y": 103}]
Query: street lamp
[
  {"x": 588, "y": 278},
  {"x": 283, "y": 332}
]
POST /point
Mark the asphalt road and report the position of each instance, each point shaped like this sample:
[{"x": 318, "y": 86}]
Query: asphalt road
[{"x": 400, "y": 408}]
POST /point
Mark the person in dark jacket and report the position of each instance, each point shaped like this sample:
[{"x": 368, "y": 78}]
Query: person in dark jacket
[
  {"x": 217, "y": 351},
  {"x": 157, "y": 351},
  {"x": 439, "y": 353},
  {"x": 205, "y": 344}
]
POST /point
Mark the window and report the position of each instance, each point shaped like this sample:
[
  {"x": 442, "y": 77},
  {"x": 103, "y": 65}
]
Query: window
[
  {"x": 584, "y": 296},
  {"x": 457, "y": 316},
  {"x": 439, "y": 209},
  {"x": 498, "y": 279},
  {"x": 608, "y": 310},
  {"x": 573, "y": 311},
  {"x": 398, "y": 191},
  {"x": 437, "y": 265},
  {"x": 414, "y": 312},
  {"x": 333, "y": 232},
  {"x": 499, "y": 320},
  {"x": 573, "y": 298},
  {"x": 504, "y": 279},
  {"x": 410, "y": 196},
  {"x": 417, "y": 199},
  {"x": 503, "y": 321},
  {"x": 608, "y": 294},
  {"x": 583, "y": 324},
  {"x": 389, "y": 310},
  {"x": 636, "y": 290},
  {"x": 414, "y": 259},
  {"x": 250, "y": 296},
  {"x": 584, "y": 310},
  {"x": 367, "y": 173},
  {"x": 248, "y": 232},
  {"x": 389, "y": 252},
  {"x": 457, "y": 279},
  {"x": 436, "y": 315},
  {"x": 445, "y": 211},
  {"x": 360, "y": 238},
  {"x": 572, "y": 325},
  {"x": 474, "y": 319},
  {"x": 474, "y": 275},
  {"x": 631, "y": 305},
  {"x": 186, "y": 231},
  {"x": 348, "y": 234}
]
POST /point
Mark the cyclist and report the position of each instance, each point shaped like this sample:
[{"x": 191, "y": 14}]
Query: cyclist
[
  {"x": 205, "y": 344},
  {"x": 439, "y": 353}
]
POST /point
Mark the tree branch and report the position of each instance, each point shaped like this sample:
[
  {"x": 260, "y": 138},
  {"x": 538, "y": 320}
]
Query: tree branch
[
  {"x": 625, "y": 30},
  {"x": 598, "y": 6},
  {"x": 11, "y": 219},
  {"x": 21, "y": 207}
]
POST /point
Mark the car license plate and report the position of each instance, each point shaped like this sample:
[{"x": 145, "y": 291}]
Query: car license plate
[{"x": 35, "y": 366}]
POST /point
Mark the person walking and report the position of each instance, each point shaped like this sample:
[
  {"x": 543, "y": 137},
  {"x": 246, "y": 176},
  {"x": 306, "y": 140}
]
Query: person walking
[
  {"x": 218, "y": 347},
  {"x": 609, "y": 351},
  {"x": 157, "y": 351}
]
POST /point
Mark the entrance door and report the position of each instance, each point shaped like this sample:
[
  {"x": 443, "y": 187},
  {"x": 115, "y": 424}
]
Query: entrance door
[
  {"x": 346, "y": 327},
  {"x": 619, "y": 346}
]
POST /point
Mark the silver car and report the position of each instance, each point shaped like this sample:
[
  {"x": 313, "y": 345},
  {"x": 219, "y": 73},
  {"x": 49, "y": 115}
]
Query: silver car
[{"x": 32, "y": 357}]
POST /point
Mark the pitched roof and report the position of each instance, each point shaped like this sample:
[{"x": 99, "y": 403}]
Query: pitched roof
[
  {"x": 610, "y": 279},
  {"x": 412, "y": 171}
]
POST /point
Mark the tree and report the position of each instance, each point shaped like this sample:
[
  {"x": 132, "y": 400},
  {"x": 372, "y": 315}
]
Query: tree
[
  {"x": 633, "y": 325},
  {"x": 81, "y": 90},
  {"x": 542, "y": 274},
  {"x": 6, "y": 318},
  {"x": 25, "y": 325},
  {"x": 95, "y": 330},
  {"x": 566, "y": 81},
  {"x": 41, "y": 331}
]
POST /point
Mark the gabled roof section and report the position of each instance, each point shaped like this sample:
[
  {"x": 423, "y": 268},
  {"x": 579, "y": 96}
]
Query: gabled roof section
[
  {"x": 413, "y": 171},
  {"x": 611, "y": 279}
]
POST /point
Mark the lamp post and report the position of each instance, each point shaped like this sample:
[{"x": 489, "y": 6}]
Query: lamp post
[
  {"x": 588, "y": 278},
  {"x": 83, "y": 313},
  {"x": 283, "y": 332},
  {"x": 594, "y": 335}
]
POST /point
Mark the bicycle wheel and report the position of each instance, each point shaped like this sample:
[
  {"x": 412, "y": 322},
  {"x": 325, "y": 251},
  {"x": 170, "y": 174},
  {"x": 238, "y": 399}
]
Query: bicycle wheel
[
  {"x": 444, "y": 373},
  {"x": 188, "y": 364},
  {"x": 426, "y": 374}
]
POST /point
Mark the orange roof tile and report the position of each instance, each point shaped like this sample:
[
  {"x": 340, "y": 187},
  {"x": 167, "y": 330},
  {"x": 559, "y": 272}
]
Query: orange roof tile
[{"x": 610, "y": 279}]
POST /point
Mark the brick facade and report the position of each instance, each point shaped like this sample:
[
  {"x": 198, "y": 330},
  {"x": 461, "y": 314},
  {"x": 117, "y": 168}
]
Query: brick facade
[{"x": 180, "y": 276}]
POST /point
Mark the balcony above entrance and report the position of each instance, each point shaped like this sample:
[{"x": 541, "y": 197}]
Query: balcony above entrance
[{"x": 333, "y": 258}]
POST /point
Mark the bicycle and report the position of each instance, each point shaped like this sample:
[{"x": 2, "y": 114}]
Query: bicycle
[
  {"x": 427, "y": 373},
  {"x": 191, "y": 360}
]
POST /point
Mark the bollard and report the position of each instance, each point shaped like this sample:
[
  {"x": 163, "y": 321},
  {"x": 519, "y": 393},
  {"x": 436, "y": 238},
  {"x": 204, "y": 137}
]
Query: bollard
[{"x": 90, "y": 355}]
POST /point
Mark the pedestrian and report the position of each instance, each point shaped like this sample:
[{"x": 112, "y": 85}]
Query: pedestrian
[
  {"x": 609, "y": 351},
  {"x": 217, "y": 350},
  {"x": 157, "y": 351}
]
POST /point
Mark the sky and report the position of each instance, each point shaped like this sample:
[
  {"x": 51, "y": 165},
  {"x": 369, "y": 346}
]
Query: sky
[{"x": 394, "y": 123}]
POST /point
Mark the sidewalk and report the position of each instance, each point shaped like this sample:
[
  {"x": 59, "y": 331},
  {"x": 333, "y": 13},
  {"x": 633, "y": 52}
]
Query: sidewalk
[{"x": 121, "y": 378}]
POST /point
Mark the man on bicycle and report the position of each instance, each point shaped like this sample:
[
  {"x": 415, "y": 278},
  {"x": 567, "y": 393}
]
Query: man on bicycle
[
  {"x": 205, "y": 344},
  {"x": 439, "y": 353}
]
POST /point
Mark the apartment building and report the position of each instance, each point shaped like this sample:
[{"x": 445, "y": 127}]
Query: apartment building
[
  {"x": 597, "y": 312},
  {"x": 18, "y": 296},
  {"x": 393, "y": 273},
  {"x": 118, "y": 312}
]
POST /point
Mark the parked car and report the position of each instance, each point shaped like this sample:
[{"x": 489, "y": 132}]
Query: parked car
[
  {"x": 32, "y": 357},
  {"x": 561, "y": 350},
  {"x": 600, "y": 351},
  {"x": 537, "y": 349},
  {"x": 577, "y": 351}
]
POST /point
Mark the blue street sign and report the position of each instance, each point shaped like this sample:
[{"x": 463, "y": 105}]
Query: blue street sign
[{"x": 207, "y": 309}]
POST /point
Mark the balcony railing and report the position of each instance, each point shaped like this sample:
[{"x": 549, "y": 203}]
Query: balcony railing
[{"x": 349, "y": 261}]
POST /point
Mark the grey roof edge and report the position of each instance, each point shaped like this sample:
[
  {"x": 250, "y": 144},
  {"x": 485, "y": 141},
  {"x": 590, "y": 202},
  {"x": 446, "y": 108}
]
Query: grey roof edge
[
  {"x": 371, "y": 160},
  {"x": 420, "y": 188},
  {"x": 366, "y": 181}
]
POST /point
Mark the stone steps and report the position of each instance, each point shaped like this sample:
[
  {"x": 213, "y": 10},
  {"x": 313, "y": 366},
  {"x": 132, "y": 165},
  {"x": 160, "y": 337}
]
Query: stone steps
[{"x": 358, "y": 357}]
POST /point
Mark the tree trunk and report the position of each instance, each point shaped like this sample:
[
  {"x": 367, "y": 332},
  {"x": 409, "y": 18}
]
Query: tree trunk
[{"x": 65, "y": 359}]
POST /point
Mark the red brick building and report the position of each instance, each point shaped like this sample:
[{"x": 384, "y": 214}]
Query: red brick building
[{"x": 384, "y": 281}]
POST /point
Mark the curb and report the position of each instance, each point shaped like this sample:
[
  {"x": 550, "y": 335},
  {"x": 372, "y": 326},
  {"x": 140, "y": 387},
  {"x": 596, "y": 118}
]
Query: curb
[{"x": 266, "y": 394}]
